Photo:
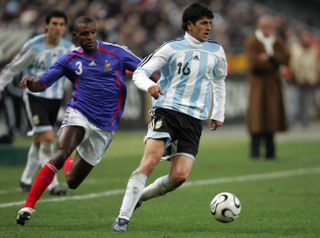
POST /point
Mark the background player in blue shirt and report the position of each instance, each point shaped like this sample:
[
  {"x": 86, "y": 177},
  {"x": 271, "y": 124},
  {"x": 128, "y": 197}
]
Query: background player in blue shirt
[
  {"x": 193, "y": 72},
  {"x": 35, "y": 58},
  {"x": 97, "y": 71}
]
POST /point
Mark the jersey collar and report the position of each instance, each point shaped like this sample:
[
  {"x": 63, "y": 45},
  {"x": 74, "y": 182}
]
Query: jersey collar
[{"x": 193, "y": 41}]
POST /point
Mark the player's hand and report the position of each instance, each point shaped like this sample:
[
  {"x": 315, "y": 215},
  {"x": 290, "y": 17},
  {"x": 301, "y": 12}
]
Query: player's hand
[
  {"x": 155, "y": 91},
  {"x": 214, "y": 124},
  {"x": 26, "y": 81}
]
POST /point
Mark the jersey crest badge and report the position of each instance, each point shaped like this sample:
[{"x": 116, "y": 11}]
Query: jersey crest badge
[
  {"x": 107, "y": 66},
  {"x": 209, "y": 72}
]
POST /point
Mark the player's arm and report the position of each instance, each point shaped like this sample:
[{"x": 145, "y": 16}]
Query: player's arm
[
  {"x": 149, "y": 65},
  {"x": 219, "y": 92},
  {"x": 19, "y": 63},
  {"x": 55, "y": 72},
  {"x": 32, "y": 84},
  {"x": 217, "y": 117}
]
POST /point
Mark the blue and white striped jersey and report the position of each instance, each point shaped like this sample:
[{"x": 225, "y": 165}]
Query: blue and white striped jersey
[
  {"x": 34, "y": 59},
  {"x": 192, "y": 77}
]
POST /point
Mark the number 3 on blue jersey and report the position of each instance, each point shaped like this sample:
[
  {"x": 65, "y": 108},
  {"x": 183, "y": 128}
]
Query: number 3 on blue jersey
[{"x": 79, "y": 65}]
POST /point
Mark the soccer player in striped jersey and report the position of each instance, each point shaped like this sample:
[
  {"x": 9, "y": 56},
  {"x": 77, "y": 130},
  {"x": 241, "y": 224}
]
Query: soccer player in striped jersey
[
  {"x": 193, "y": 71},
  {"x": 97, "y": 71},
  {"x": 36, "y": 56}
]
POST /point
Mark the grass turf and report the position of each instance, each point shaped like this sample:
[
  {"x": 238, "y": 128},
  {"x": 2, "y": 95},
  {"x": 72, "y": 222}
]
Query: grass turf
[{"x": 284, "y": 203}]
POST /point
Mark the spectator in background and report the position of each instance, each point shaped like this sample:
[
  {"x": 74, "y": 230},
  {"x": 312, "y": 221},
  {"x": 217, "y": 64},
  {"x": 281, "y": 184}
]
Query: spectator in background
[
  {"x": 35, "y": 58},
  {"x": 304, "y": 64},
  {"x": 266, "y": 115}
]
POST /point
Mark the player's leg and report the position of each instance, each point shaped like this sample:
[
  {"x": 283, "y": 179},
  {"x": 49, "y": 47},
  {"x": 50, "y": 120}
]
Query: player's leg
[
  {"x": 32, "y": 164},
  {"x": 180, "y": 169},
  {"x": 42, "y": 114},
  {"x": 46, "y": 150},
  {"x": 31, "y": 167},
  {"x": 181, "y": 152},
  {"x": 89, "y": 153},
  {"x": 78, "y": 170},
  {"x": 153, "y": 152},
  {"x": 157, "y": 140},
  {"x": 70, "y": 137}
]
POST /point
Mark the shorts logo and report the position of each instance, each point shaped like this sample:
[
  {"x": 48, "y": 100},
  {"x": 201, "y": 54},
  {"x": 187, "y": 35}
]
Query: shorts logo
[
  {"x": 35, "y": 120},
  {"x": 158, "y": 124}
]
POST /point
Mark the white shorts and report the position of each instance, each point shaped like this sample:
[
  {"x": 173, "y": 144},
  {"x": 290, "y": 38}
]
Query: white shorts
[{"x": 95, "y": 141}]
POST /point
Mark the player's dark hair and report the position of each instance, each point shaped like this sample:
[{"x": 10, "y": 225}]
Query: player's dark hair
[
  {"x": 82, "y": 20},
  {"x": 56, "y": 13},
  {"x": 193, "y": 13}
]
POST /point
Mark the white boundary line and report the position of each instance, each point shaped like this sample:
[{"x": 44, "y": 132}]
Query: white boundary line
[{"x": 243, "y": 178}]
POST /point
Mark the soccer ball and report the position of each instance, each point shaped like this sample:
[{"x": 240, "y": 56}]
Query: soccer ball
[{"x": 225, "y": 207}]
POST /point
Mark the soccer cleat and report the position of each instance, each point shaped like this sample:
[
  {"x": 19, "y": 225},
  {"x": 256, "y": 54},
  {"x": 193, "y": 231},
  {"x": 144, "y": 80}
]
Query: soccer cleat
[
  {"x": 25, "y": 187},
  {"x": 24, "y": 214},
  {"x": 120, "y": 225},
  {"x": 58, "y": 190}
]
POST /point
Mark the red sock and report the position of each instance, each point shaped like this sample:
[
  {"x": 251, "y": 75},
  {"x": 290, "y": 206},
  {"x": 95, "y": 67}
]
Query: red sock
[
  {"x": 43, "y": 179},
  {"x": 67, "y": 165}
]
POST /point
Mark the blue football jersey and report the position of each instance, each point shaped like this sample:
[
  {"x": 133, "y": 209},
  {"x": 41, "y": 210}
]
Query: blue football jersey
[{"x": 99, "y": 81}]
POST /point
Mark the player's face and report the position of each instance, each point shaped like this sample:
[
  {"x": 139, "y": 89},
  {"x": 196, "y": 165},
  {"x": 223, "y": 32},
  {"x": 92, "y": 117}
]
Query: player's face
[
  {"x": 86, "y": 36},
  {"x": 56, "y": 28},
  {"x": 200, "y": 29}
]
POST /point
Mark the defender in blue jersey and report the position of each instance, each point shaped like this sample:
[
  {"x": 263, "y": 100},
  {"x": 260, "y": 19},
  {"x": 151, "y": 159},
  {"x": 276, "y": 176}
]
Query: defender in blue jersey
[
  {"x": 97, "y": 71},
  {"x": 34, "y": 59},
  {"x": 193, "y": 71}
]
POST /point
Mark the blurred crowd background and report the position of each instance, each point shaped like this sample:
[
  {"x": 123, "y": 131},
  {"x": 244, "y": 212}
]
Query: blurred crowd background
[{"x": 143, "y": 25}]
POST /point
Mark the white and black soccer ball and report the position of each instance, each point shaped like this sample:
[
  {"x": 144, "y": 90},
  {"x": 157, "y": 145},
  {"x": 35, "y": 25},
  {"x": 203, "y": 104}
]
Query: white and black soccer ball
[{"x": 225, "y": 207}]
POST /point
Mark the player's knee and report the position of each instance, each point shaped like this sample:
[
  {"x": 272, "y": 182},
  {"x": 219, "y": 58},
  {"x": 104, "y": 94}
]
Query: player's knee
[
  {"x": 63, "y": 151},
  {"x": 149, "y": 163},
  {"x": 178, "y": 180},
  {"x": 72, "y": 183},
  {"x": 147, "y": 168},
  {"x": 60, "y": 156}
]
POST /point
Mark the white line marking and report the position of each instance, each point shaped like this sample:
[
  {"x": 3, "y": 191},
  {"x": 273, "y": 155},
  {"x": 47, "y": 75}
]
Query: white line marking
[
  {"x": 88, "y": 181},
  {"x": 243, "y": 178}
]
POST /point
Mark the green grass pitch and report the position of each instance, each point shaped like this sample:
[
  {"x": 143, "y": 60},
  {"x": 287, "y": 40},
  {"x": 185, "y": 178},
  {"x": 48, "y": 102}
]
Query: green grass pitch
[{"x": 279, "y": 198}]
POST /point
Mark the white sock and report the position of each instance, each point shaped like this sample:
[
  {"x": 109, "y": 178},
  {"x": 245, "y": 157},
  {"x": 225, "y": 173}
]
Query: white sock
[
  {"x": 45, "y": 153},
  {"x": 158, "y": 188},
  {"x": 32, "y": 164},
  {"x": 133, "y": 192}
]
